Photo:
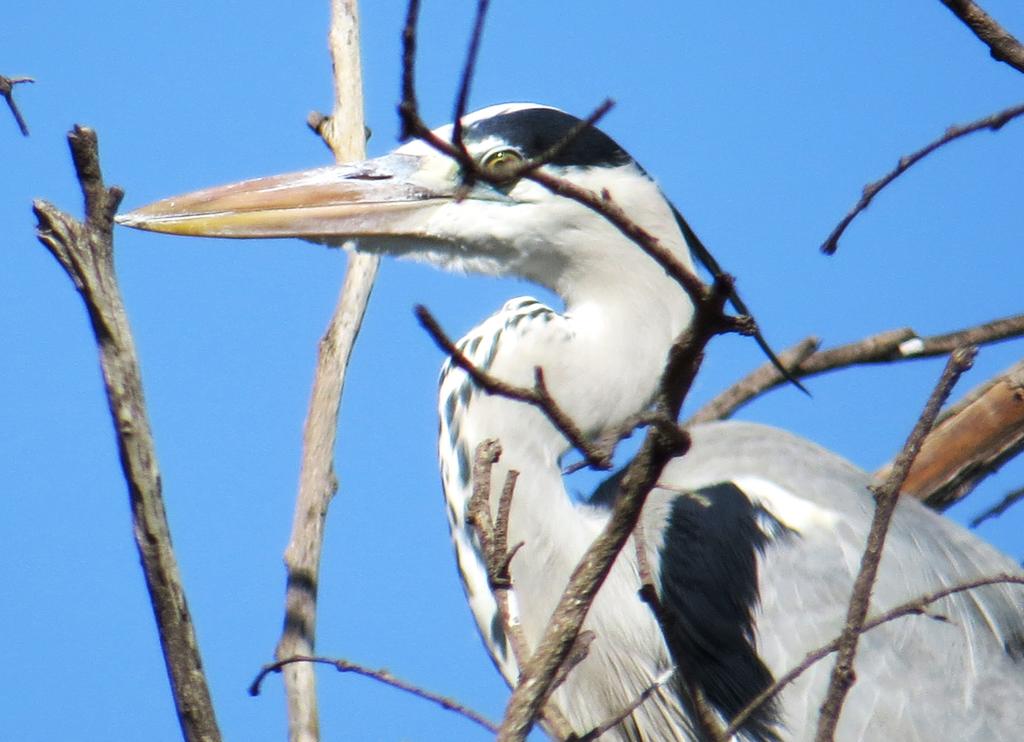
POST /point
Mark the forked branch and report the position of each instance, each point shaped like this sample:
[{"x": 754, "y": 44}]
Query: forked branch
[
  {"x": 493, "y": 535},
  {"x": 85, "y": 249},
  {"x": 537, "y": 396}
]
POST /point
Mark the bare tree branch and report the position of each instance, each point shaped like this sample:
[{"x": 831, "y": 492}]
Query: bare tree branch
[
  {"x": 537, "y": 395},
  {"x": 886, "y": 497},
  {"x": 964, "y": 448},
  {"x": 913, "y": 607},
  {"x": 994, "y": 122},
  {"x": 344, "y": 131},
  {"x": 805, "y": 360},
  {"x": 381, "y": 675},
  {"x": 7, "y": 92},
  {"x": 493, "y": 535},
  {"x": 86, "y": 252},
  {"x": 1001, "y": 44},
  {"x": 999, "y": 508}
]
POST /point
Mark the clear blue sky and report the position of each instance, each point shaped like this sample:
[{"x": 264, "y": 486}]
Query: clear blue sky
[{"x": 761, "y": 120}]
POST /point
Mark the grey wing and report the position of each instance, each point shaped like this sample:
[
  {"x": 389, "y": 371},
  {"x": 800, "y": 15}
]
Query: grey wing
[{"x": 918, "y": 677}]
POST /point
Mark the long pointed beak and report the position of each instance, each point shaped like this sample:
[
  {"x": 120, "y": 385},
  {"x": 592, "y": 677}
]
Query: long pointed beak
[{"x": 330, "y": 204}]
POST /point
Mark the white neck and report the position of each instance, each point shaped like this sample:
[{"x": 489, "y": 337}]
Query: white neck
[{"x": 602, "y": 360}]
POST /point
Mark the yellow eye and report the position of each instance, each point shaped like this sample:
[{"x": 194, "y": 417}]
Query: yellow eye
[{"x": 502, "y": 164}]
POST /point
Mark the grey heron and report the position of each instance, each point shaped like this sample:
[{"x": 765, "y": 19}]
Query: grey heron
[{"x": 753, "y": 536}]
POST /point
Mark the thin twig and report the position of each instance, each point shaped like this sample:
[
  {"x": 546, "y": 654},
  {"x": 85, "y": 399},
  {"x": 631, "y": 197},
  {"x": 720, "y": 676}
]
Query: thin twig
[
  {"x": 537, "y": 395},
  {"x": 7, "y": 92},
  {"x": 994, "y": 122},
  {"x": 86, "y": 252},
  {"x": 382, "y": 676},
  {"x": 468, "y": 71},
  {"x": 901, "y": 344},
  {"x": 605, "y": 205},
  {"x": 1001, "y": 43},
  {"x": 886, "y": 497},
  {"x": 999, "y": 508},
  {"x": 345, "y": 133},
  {"x": 913, "y": 607},
  {"x": 609, "y": 724}
]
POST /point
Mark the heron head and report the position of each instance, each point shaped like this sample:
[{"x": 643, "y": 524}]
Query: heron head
[{"x": 415, "y": 202}]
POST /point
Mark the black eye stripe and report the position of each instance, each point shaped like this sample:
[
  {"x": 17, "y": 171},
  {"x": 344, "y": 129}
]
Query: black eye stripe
[{"x": 532, "y": 131}]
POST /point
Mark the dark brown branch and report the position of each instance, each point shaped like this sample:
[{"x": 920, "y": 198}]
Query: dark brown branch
[
  {"x": 999, "y": 508},
  {"x": 994, "y": 122},
  {"x": 559, "y": 638},
  {"x": 597, "y": 455},
  {"x": 382, "y": 676},
  {"x": 7, "y": 92},
  {"x": 478, "y": 513},
  {"x": 504, "y": 514},
  {"x": 886, "y": 497},
  {"x": 970, "y": 441},
  {"x": 1001, "y": 44},
  {"x": 915, "y": 607},
  {"x": 537, "y": 395},
  {"x": 604, "y": 205},
  {"x": 86, "y": 252},
  {"x": 493, "y": 536},
  {"x": 344, "y": 131},
  {"x": 886, "y": 347},
  {"x": 409, "y": 107},
  {"x": 608, "y": 440},
  {"x": 468, "y": 71}
]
